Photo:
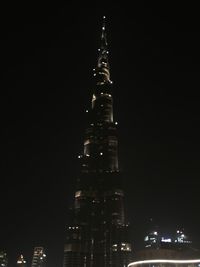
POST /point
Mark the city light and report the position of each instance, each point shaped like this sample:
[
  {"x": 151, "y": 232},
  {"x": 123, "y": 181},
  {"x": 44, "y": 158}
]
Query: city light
[{"x": 164, "y": 261}]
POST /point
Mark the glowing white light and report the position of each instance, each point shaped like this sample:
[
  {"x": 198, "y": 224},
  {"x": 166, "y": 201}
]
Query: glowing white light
[
  {"x": 78, "y": 194},
  {"x": 103, "y": 28},
  {"x": 167, "y": 240},
  {"x": 104, "y": 17},
  {"x": 86, "y": 111},
  {"x": 101, "y": 153},
  {"x": 163, "y": 261},
  {"x": 116, "y": 123}
]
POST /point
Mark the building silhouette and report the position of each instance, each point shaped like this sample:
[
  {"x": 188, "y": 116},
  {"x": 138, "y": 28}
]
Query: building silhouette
[
  {"x": 163, "y": 249},
  {"x": 3, "y": 259},
  {"x": 156, "y": 239},
  {"x": 21, "y": 262},
  {"x": 39, "y": 257},
  {"x": 98, "y": 234}
]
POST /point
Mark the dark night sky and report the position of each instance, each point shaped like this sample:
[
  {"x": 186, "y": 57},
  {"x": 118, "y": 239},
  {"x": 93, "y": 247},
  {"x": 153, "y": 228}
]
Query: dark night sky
[{"x": 47, "y": 57}]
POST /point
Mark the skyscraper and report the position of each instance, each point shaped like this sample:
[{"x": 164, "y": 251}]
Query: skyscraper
[
  {"x": 39, "y": 257},
  {"x": 99, "y": 233}
]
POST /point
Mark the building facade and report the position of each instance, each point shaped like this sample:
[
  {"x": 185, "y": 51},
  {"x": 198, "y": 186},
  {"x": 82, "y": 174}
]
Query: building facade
[
  {"x": 39, "y": 257},
  {"x": 99, "y": 234}
]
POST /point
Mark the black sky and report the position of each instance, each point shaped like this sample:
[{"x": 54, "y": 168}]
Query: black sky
[{"x": 47, "y": 57}]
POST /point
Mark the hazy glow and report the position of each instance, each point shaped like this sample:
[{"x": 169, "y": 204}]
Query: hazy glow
[{"x": 164, "y": 261}]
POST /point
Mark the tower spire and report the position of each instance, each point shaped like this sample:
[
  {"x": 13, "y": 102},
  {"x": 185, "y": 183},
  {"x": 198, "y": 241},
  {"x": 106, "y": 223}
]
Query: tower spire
[
  {"x": 103, "y": 34},
  {"x": 102, "y": 72}
]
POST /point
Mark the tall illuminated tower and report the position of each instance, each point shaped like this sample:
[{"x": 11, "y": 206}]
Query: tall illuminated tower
[{"x": 98, "y": 235}]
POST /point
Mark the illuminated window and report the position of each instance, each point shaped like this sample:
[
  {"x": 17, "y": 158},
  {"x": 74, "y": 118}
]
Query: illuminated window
[
  {"x": 114, "y": 247},
  {"x": 119, "y": 192},
  {"x": 78, "y": 194},
  {"x": 125, "y": 246},
  {"x": 86, "y": 142}
]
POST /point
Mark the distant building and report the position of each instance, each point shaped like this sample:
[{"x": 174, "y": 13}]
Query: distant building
[
  {"x": 39, "y": 257},
  {"x": 152, "y": 235},
  {"x": 166, "y": 263},
  {"x": 155, "y": 239},
  {"x": 181, "y": 238},
  {"x": 152, "y": 239},
  {"x": 3, "y": 259},
  {"x": 21, "y": 262},
  {"x": 166, "y": 250}
]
